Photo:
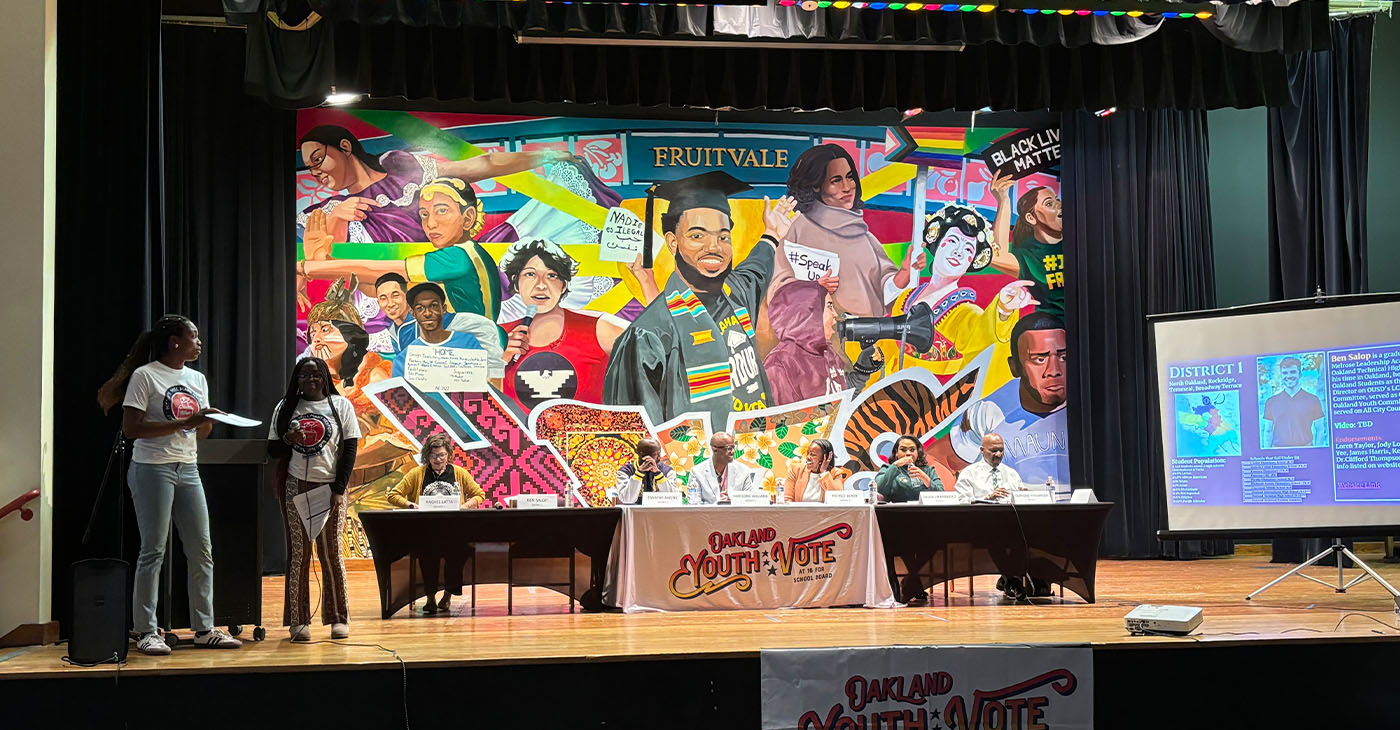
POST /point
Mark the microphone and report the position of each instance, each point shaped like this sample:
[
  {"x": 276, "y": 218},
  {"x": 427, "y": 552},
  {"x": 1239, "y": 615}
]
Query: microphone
[{"x": 529, "y": 319}]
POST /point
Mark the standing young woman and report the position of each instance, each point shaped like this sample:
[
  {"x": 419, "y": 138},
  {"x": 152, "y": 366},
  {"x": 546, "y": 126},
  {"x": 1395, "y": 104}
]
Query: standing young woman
[
  {"x": 313, "y": 437},
  {"x": 165, "y": 409}
]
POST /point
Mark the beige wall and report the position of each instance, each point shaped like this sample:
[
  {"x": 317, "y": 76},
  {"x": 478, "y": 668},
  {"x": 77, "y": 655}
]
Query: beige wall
[{"x": 28, "y": 87}]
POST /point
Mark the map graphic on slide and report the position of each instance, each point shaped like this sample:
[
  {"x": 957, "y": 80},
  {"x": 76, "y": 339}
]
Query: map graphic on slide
[{"x": 1207, "y": 424}]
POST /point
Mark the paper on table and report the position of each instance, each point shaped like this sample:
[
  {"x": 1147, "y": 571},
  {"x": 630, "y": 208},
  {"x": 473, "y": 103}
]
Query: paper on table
[
  {"x": 233, "y": 420},
  {"x": 810, "y": 264},
  {"x": 314, "y": 508}
]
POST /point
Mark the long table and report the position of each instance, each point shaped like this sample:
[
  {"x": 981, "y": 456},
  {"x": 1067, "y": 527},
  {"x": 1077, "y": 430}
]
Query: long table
[
  {"x": 690, "y": 558},
  {"x": 795, "y": 556},
  {"x": 985, "y": 539},
  {"x": 395, "y": 535}
]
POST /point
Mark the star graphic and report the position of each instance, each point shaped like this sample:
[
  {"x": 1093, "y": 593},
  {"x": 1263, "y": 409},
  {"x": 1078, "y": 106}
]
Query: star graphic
[
  {"x": 933, "y": 715},
  {"x": 772, "y": 570}
]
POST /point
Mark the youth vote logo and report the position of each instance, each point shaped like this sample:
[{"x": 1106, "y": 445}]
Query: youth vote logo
[
  {"x": 315, "y": 432},
  {"x": 180, "y": 403}
]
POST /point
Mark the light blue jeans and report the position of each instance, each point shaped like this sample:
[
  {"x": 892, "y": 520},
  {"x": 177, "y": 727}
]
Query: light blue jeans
[{"x": 162, "y": 491}]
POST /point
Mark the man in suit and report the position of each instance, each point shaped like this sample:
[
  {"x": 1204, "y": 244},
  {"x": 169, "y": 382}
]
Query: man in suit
[{"x": 720, "y": 476}]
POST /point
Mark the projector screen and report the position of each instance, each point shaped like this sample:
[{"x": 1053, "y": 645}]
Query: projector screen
[{"x": 1283, "y": 419}]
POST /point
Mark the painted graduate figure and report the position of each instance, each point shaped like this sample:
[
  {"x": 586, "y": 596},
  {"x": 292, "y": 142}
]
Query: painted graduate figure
[
  {"x": 165, "y": 411},
  {"x": 692, "y": 349}
]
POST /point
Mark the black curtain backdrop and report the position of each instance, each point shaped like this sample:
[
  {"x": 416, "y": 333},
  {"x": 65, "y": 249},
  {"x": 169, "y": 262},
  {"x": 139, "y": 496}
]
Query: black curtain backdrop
[
  {"x": 1318, "y": 152},
  {"x": 1012, "y": 61},
  {"x": 1137, "y": 242},
  {"x": 214, "y": 240}
]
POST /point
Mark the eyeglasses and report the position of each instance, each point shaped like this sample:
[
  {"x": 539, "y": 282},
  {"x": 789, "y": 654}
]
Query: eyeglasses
[{"x": 314, "y": 163}]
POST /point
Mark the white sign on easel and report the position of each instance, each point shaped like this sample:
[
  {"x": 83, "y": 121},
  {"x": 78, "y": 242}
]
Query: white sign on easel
[
  {"x": 446, "y": 369},
  {"x": 810, "y": 264},
  {"x": 623, "y": 234}
]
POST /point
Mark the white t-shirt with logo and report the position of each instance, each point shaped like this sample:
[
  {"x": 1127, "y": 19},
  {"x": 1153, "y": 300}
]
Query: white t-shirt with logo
[
  {"x": 313, "y": 457},
  {"x": 166, "y": 394}
]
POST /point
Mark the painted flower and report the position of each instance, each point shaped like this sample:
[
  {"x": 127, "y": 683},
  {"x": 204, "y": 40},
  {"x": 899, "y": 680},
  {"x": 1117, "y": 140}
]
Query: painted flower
[{"x": 764, "y": 442}]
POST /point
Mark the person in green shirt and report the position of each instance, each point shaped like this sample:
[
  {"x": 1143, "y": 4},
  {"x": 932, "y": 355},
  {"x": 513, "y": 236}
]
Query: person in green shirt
[
  {"x": 1035, "y": 252},
  {"x": 901, "y": 481},
  {"x": 909, "y": 473}
]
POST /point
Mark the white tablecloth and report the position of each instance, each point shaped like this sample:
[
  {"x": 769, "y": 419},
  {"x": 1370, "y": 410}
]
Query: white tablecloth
[{"x": 791, "y": 556}]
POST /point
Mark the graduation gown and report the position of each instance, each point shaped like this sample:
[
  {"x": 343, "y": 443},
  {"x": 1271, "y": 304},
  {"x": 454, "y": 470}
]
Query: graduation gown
[{"x": 682, "y": 355}]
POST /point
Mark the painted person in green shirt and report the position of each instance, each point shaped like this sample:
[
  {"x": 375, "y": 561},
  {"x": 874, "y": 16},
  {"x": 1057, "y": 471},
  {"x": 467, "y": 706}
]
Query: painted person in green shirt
[
  {"x": 1035, "y": 252},
  {"x": 909, "y": 473}
]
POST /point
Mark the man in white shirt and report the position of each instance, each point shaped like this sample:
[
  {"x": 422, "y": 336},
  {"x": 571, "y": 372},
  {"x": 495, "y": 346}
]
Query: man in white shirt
[
  {"x": 989, "y": 479},
  {"x": 721, "y": 475},
  {"x": 649, "y": 473}
]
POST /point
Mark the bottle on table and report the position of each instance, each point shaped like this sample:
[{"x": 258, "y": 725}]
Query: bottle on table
[{"x": 1050, "y": 487}]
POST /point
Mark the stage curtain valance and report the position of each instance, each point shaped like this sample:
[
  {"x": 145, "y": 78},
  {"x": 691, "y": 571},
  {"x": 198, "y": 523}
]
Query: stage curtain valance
[{"x": 1011, "y": 61}]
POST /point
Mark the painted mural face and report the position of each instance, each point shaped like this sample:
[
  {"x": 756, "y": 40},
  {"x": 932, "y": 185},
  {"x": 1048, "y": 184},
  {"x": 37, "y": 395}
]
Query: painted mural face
[
  {"x": 1042, "y": 354},
  {"x": 1047, "y": 213},
  {"x": 953, "y": 257},
  {"x": 838, "y": 189},
  {"x": 702, "y": 241},
  {"x": 829, "y": 318},
  {"x": 392, "y": 302},
  {"x": 429, "y": 309},
  {"x": 330, "y": 165},
  {"x": 445, "y": 222},
  {"x": 540, "y": 285},
  {"x": 327, "y": 342}
]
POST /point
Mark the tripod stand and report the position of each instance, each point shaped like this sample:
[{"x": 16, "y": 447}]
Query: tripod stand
[
  {"x": 1339, "y": 550},
  {"x": 116, "y": 461}
]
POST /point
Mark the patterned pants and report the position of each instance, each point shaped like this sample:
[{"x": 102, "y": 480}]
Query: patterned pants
[{"x": 296, "y": 608}]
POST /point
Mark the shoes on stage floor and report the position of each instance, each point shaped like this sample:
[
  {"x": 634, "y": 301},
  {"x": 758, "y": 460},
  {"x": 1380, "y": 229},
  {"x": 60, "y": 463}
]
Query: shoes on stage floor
[
  {"x": 1011, "y": 586},
  {"x": 152, "y": 644},
  {"x": 300, "y": 633},
  {"x": 445, "y": 605},
  {"x": 216, "y": 639},
  {"x": 428, "y": 608},
  {"x": 340, "y": 631},
  {"x": 1041, "y": 588}
]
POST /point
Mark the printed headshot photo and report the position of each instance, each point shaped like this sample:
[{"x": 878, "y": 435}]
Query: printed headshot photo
[
  {"x": 1293, "y": 401},
  {"x": 1207, "y": 424}
]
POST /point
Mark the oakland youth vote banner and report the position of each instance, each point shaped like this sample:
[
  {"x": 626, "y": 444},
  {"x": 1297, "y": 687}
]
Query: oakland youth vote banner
[
  {"x": 928, "y": 688},
  {"x": 697, "y": 558}
]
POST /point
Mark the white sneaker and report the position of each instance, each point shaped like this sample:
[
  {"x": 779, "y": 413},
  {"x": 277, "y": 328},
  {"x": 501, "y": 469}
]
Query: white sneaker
[
  {"x": 300, "y": 633},
  {"x": 216, "y": 639},
  {"x": 152, "y": 644},
  {"x": 340, "y": 631}
]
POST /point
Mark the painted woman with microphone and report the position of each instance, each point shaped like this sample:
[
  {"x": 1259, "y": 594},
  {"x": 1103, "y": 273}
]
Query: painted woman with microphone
[
  {"x": 165, "y": 411},
  {"x": 313, "y": 438},
  {"x": 555, "y": 352}
]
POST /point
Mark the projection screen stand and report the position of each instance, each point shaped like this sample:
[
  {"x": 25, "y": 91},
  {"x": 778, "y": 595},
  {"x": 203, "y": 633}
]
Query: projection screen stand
[{"x": 1339, "y": 550}]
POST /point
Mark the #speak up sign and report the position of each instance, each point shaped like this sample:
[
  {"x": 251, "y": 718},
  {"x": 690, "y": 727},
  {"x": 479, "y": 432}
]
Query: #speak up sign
[
  {"x": 928, "y": 687},
  {"x": 1024, "y": 153}
]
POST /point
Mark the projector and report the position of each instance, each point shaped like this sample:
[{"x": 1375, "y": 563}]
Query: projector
[{"x": 1180, "y": 620}]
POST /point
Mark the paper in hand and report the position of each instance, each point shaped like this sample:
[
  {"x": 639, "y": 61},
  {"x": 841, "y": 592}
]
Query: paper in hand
[
  {"x": 314, "y": 508},
  {"x": 233, "y": 420}
]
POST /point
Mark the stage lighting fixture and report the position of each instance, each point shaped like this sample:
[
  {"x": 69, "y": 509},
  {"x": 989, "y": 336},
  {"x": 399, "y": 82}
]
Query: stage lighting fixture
[
  {"x": 341, "y": 98},
  {"x": 1176, "y": 620}
]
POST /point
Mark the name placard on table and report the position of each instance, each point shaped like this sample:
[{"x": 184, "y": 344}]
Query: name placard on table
[
  {"x": 536, "y": 501},
  {"x": 439, "y": 502},
  {"x": 844, "y": 497},
  {"x": 938, "y": 499},
  {"x": 1035, "y": 496},
  {"x": 662, "y": 499},
  {"x": 752, "y": 498}
]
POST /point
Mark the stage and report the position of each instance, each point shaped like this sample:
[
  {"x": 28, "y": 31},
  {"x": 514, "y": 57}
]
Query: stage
[{"x": 1284, "y": 630}]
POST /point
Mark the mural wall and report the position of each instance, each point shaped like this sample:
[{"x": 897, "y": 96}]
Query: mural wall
[{"x": 917, "y": 286}]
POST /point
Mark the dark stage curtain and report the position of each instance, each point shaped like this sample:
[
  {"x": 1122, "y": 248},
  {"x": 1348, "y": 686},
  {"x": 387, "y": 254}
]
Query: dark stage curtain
[
  {"x": 170, "y": 197},
  {"x": 1137, "y": 242},
  {"x": 1011, "y": 62},
  {"x": 1318, "y": 152}
]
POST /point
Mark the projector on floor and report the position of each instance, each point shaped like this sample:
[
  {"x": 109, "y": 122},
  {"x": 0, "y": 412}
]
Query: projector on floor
[{"x": 1163, "y": 620}]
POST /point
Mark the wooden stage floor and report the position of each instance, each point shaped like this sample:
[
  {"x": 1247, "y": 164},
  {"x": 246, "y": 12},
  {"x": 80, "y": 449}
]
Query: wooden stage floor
[{"x": 543, "y": 632}]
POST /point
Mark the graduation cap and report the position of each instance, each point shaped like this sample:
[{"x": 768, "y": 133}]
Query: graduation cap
[{"x": 706, "y": 190}]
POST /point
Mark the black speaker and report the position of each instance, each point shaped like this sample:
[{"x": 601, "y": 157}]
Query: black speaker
[{"x": 101, "y": 611}]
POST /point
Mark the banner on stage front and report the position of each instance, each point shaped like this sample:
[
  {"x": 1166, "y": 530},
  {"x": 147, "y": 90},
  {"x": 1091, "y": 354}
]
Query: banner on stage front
[{"x": 906, "y": 687}]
